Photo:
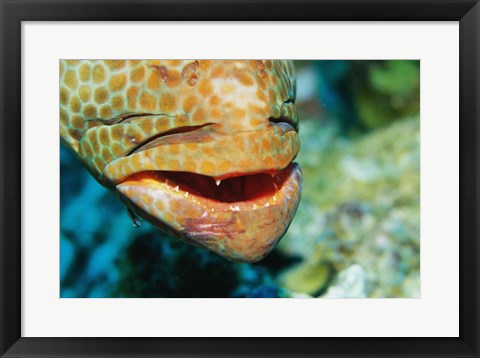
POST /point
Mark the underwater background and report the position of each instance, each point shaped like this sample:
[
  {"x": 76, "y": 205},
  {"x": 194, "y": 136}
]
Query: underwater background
[{"x": 356, "y": 233}]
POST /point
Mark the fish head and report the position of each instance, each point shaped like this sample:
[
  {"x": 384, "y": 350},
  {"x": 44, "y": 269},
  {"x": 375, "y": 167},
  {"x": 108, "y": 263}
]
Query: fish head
[{"x": 202, "y": 149}]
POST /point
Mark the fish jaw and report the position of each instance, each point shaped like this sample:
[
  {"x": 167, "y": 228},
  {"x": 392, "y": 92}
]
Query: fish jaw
[
  {"x": 239, "y": 211},
  {"x": 239, "y": 230}
]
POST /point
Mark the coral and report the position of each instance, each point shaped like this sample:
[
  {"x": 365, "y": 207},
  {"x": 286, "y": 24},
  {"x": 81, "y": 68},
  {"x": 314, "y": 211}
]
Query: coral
[{"x": 351, "y": 283}]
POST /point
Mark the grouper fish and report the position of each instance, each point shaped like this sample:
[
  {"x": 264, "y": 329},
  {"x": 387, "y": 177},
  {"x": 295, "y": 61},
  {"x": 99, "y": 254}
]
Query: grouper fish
[{"x": 201, "y": 149}]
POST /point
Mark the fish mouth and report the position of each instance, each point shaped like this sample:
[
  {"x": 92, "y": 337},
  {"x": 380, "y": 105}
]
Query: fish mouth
[
  {"x": 241, "y": 218},
  {"x": 250, "y": 191},
  {"x": 238, "y": 214}
]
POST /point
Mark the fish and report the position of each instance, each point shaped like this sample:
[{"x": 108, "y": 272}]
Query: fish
[{"x": 202, "y": 149}]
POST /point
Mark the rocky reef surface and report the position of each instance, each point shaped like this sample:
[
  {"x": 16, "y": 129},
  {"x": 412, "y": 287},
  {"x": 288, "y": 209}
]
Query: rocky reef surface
[{"x": 360, "y": 206}]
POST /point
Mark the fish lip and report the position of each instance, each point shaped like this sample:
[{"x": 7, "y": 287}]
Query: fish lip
[
  {"x": 178, "y": 135},
  {"x": 242, "y": 234},
  {"x": 284, "y": 120},
  {"x": 275, "y": 147}
]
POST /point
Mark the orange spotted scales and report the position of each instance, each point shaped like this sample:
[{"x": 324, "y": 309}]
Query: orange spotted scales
[{"x": 201, "y": 149}]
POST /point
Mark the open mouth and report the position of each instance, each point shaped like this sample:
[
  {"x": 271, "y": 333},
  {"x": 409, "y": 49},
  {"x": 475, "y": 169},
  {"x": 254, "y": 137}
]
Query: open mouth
[
  {"x": 241, "y": 218},
  {"x": 241, "y": 192}
]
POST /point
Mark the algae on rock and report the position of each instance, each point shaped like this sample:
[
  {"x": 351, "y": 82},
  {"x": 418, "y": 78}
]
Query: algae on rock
[{"x": 360, "y": 204}]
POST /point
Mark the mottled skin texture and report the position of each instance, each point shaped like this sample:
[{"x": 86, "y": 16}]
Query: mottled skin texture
[{"x": 162, "y": 134}]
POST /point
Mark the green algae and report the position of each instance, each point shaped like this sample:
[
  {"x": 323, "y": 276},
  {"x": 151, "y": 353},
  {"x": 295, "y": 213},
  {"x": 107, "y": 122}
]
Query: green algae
[{"x": 311, "y": 277}]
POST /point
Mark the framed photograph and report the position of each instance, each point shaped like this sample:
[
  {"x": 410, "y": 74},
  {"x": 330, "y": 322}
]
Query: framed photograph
[{"x": 239, "y": 178}]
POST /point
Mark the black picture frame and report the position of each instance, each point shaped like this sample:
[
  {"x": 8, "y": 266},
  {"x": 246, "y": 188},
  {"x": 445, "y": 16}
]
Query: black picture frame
[{"x": 13, "y": 12}]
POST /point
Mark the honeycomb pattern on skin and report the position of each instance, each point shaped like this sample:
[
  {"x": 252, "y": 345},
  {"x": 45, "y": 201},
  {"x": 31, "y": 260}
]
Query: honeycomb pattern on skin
[
  {"x": 235, "y": 95},
  {"x": 121, "y": 117}
]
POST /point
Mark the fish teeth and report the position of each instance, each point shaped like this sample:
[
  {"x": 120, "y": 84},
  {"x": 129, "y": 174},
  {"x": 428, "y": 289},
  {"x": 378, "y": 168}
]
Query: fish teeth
[{"x": 218, "y": 181}]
